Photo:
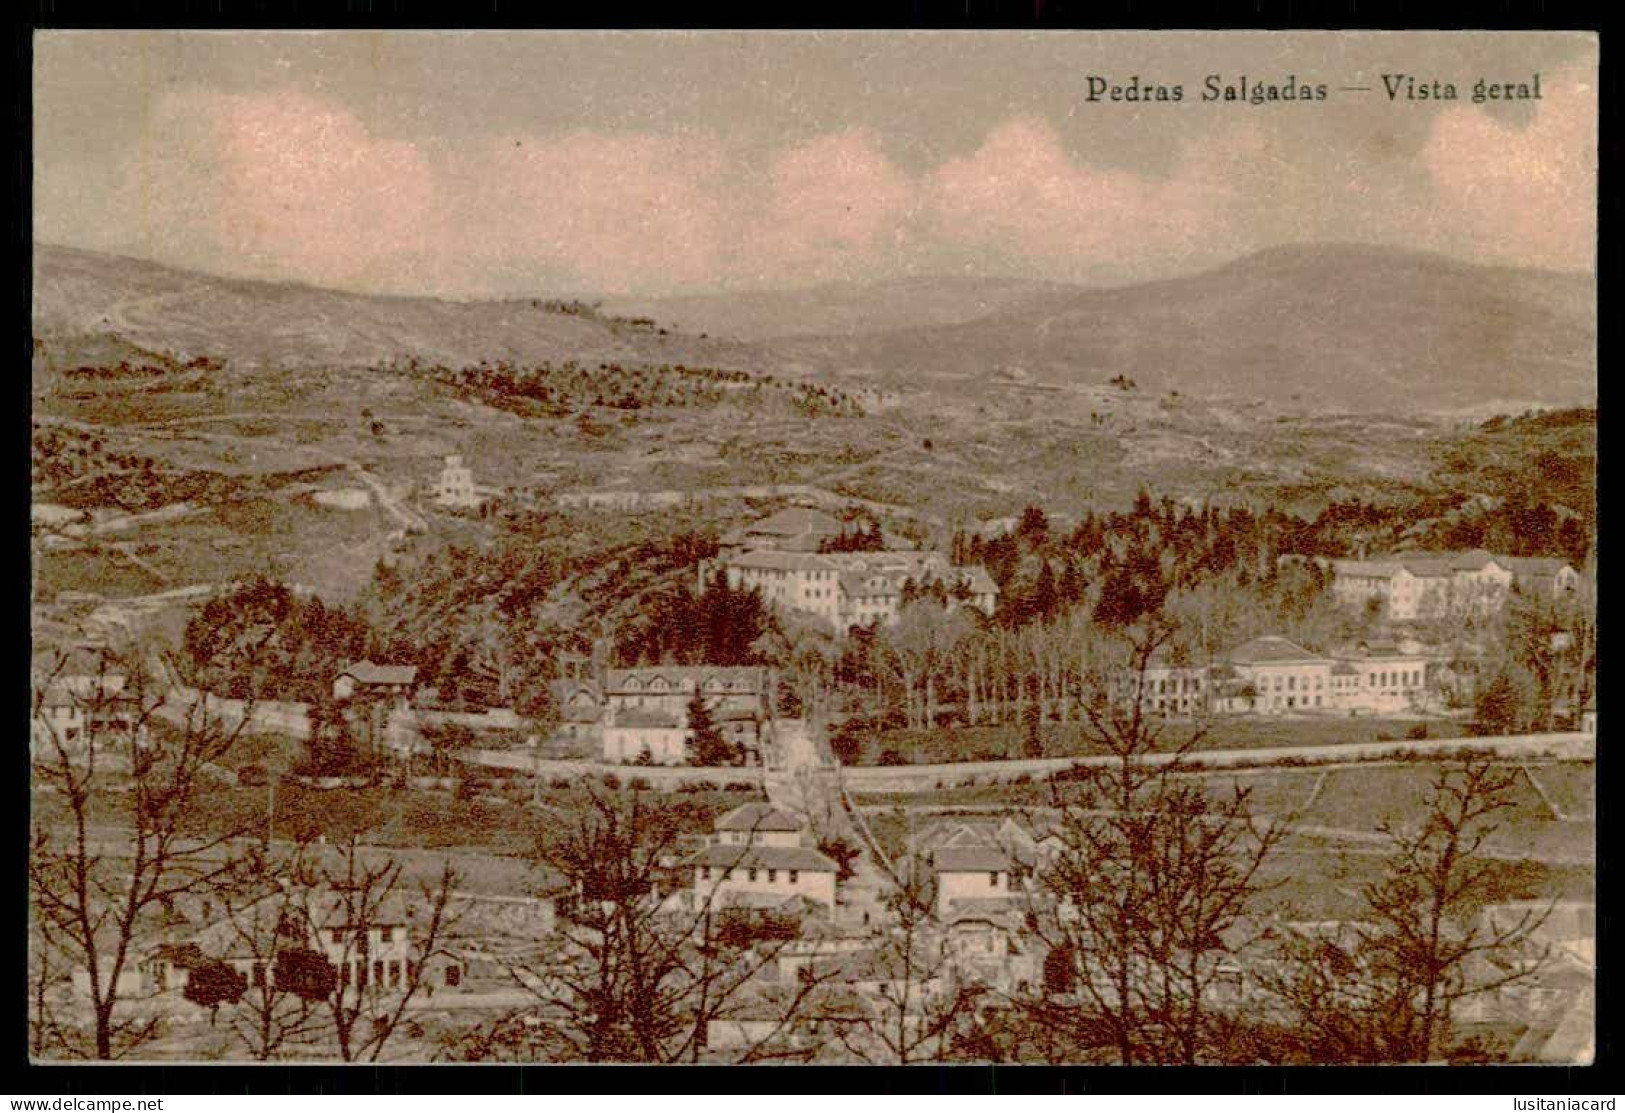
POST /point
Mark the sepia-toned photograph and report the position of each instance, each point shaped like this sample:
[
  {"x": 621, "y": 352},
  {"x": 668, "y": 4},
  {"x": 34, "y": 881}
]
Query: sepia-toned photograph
[{"x": 813, "y": 548}]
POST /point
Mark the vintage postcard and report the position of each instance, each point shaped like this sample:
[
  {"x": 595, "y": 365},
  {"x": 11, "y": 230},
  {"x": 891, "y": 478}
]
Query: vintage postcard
[{"x": 813, "y": 547}]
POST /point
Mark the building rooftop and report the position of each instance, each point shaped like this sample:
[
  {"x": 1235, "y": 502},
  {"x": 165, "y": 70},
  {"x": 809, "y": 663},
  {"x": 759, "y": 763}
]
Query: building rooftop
[
  {"x": 764, "y": 857},
  {"x": 1474, "y": 561},
  {"x": 1435, "y": 564},
  {"x": 970, "y": 859},
  {"x": 888, "y": 560},
  {"x": 1366, "y": 569},
  {"x": 760, "y": 817},
  {"x": 870, "y": 584},
  {"x": 997, "y": 910},
  {"x": 1535, "y": 566},
  {"x": 368, "y": 673},
  {"x": 1272, "y": 650},
  {"x": 682, "y": 678},
  {"x": 796, "y": 520},
  {"x": 792, "y": 905},
  {"x": 772, "y": 559}
]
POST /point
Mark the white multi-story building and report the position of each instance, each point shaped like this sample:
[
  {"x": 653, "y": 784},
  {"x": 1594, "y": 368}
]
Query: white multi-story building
[
  {"x": 1169, "y": 689},
  {"x": 1274, "y": 675},
  {"x": 762, "y": 874},
  {"x": 1410, "y": 586},
  {"x": 455, "y": 487},
  {"x": 975, "y": 873},
  {"x": 645, "y": 710},
  {"x": 758, "y": 858},
  {"x": 851, "y": 589},
  {"x": 653, "y": 737},
  {"x": 1282, "y": 675},
  {"x": 1382, "y": 680}
]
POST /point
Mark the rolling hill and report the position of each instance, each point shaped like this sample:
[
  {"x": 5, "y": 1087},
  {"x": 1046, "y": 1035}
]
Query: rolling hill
[
  {"x": 1318, "y": 327},
  {"x": 82, "y": 294},
  {"x": 1336, "y": 327},
  {"x": 840, "y": 308}
]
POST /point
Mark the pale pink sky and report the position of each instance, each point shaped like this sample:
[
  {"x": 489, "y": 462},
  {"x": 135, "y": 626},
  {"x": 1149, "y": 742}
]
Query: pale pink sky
[{"x": 479, "y": 164}]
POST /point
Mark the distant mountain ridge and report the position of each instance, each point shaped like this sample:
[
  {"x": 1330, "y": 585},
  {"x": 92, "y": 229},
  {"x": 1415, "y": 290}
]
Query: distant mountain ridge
[
  {"x": 1348, "y": 327},
  {"x": 840, "y": 308},
  {"x": 1325, "y": 326}
]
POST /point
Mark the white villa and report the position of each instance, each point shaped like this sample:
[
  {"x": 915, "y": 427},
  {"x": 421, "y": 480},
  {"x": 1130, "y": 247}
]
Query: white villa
[
  {"x": 851, "y": 589},
  {"x": 1430, "y": 585},
  {"x": 652, "y": 736},
  {"x": 644, "y": 711},
  {"x": 455, "y": 487},
  {"x": 759, "y": 860},
  {"x": 1274, "y": 675}
]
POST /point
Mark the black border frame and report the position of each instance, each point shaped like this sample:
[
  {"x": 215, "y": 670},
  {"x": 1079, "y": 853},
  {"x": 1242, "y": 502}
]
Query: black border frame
[{"x": 49, "y": 1080}]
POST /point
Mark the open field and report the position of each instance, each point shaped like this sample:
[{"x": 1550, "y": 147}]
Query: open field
[
  {"x": 494, "y": 820},
  {"x": 1338, "y": 848},
  {"x": 491, "y": 834}
]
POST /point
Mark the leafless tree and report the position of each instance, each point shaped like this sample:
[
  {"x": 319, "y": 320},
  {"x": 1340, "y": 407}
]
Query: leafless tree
[
  {"x": 1148, "y": 890},
  {"x": 637, "y": 975},
  {"x": 117, "y": 840},
  {"x": 267, "y": 925},
  {"x": 48, "y": 983},
  {"x": 352, "y": 900},
  {"x": 913, "y": 1006},
  {"x": 1386, "y": 988}
]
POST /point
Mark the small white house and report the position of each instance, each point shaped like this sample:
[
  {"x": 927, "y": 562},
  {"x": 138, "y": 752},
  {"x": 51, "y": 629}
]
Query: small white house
[
  {"x": 365, "y": 680},
  {"x": 974, "y": 873},
  {"x": 782, "y": 872},
  {"x": 74, "y": 710},
  {"x": 455, "y": 487},
  {"x": 652, "y": 737},
  {"x": 760, "y": 824}
]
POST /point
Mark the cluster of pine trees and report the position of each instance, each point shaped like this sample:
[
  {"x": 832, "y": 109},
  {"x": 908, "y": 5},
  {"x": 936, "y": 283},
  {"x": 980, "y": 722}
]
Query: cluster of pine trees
[
  {"x": 559, "y": 390},
  {"x": 262, "y": 641},
  {"x": 1136, "y": 558},
  {"x": 719, "y": 625},
  {"x": 864, "y": 539}
]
